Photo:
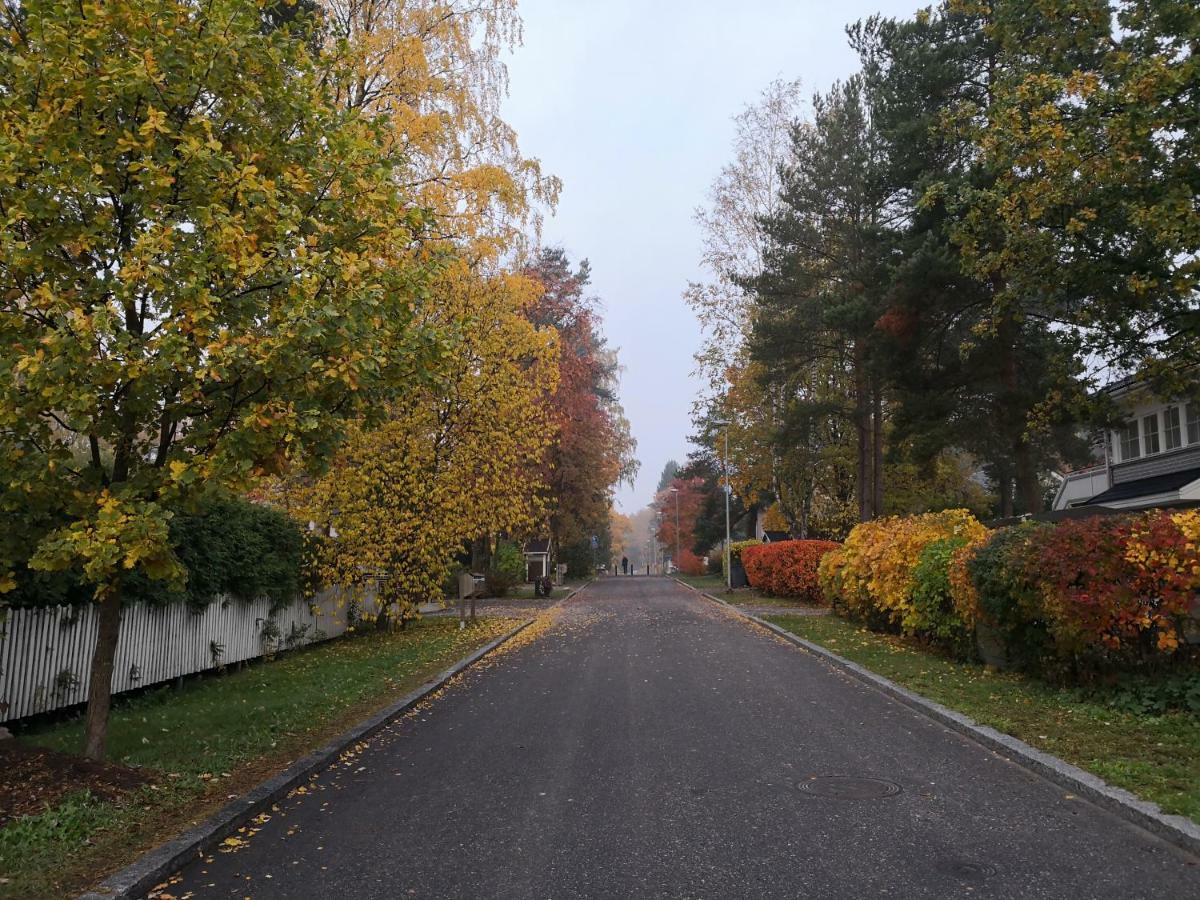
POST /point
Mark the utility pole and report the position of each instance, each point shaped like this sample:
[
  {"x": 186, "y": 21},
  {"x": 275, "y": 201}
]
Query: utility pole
[
  {"x": 675, "y": 491},
  {"x": 725, "y": 477}
]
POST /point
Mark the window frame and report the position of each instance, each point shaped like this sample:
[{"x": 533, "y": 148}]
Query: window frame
[
  {"x": 1134, "y": 430},
  {"x": 1151, "y": 435},
  {"x": 1175, "y": 428}
]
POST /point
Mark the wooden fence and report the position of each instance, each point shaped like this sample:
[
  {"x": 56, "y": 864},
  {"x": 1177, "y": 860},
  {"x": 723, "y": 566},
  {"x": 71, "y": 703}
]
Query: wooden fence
[{"x": 46, "y": 654}]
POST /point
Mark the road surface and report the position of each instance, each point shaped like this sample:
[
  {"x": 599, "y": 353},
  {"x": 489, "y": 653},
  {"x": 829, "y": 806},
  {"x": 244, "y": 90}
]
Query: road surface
[{"x": 648, "y": 743}]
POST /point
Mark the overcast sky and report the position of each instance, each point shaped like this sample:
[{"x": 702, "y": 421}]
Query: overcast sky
[{"x": 629, "y": 102}]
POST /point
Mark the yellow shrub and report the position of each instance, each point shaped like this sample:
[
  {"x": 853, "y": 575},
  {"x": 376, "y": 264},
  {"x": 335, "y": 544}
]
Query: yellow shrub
[{"x": 872, "y": 578}]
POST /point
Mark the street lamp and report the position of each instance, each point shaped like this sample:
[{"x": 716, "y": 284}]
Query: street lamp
[
  {"x": 675, "y": 491},
  {"x": 724, "y": 423}
]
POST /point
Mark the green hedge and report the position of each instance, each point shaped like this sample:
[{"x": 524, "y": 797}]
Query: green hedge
[
  {"x": 933, "y": 612},
  {"x": 231, "y": 547}
]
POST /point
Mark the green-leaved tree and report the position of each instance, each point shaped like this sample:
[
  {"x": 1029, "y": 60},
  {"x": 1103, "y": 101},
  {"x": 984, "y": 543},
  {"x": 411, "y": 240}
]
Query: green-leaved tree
[{"x": 204, "y": 266}]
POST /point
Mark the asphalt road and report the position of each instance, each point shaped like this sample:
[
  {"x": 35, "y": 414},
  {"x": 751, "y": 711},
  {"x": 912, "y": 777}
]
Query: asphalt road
[{"x": 650, "y": 744}]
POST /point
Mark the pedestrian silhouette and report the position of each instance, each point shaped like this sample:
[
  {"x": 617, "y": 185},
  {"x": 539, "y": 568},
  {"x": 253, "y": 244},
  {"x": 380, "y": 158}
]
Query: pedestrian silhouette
[{"x": 624, "y": 565}]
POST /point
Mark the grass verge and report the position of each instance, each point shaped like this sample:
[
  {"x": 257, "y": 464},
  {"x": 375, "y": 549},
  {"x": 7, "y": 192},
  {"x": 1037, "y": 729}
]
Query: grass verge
[
  {"x": 751, "y": 597},
  {"x": 745, "y": 596},
  {"x": 212, "y": 740},
  {"x": 1156, "y": 757},
  {"x": 704, "y": 582}
]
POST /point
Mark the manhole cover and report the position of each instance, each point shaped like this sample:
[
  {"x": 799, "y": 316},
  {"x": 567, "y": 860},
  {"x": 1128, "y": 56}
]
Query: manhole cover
[
  {"x": 965, "y": 869},
  {"x": 848, "y": 787}
]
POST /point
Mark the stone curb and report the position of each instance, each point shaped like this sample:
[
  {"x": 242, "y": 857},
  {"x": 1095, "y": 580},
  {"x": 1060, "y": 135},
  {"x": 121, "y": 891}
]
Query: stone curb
[
  {"x": 1178, "y": 830},
  {"x": 135, "y": 880}
]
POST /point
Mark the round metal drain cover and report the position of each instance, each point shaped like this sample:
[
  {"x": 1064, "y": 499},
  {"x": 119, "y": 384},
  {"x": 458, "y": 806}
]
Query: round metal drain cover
[
  {"x": 965, "y": 869},
  {"x": 849, "y": 787}
]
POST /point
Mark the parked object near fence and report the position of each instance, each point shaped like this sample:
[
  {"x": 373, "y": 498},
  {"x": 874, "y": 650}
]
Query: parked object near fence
[{"x": 46, "y": 653}]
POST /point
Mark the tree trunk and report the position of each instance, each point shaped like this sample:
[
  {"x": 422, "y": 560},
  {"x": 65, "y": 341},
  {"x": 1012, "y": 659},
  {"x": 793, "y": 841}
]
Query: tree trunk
[
  {"x": 1012, "y": 413},
  {"x": 877, "y": 457},
  {"x": 1004, "y": 486},
  {"x": 479, "y": 554},
  {"x": 1029, "y": 491},
  {"x": 862, "y": 428},
  {"x": 95, "y": 732}
]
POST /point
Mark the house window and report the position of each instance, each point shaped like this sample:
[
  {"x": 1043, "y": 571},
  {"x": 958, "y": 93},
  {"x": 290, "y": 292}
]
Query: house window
[
  {"x": 1172, "y": 429},
  {"x": 1131, "y": 447},
  {"x": 1193, "y": 423},
  {"x": 1150, "y": 433}
]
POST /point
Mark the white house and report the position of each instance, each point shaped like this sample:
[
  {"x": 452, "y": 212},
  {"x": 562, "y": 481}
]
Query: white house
[{"x": 1153, "y": 459}]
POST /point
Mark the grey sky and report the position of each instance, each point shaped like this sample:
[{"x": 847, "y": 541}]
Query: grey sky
[{"x": 630, "y": 104}]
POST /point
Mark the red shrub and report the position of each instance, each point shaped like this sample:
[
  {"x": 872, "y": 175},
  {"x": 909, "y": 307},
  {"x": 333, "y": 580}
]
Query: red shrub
[
  {"x": 1116, "y": 589},
  {"x": 689, "y": 563},
  {"x": 787, "y": 568}
]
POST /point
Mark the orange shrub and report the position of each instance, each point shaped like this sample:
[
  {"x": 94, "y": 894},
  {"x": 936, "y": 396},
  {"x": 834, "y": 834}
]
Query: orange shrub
[{"x": 787, "y": 568}]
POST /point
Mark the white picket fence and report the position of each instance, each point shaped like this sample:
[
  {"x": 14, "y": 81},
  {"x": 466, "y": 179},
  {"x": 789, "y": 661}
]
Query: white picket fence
[{"x": 46, "y": 654}]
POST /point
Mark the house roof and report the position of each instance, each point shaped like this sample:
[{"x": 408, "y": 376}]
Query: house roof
[
  {"x": 538, "y": 545},
  {"x": 1147, "y": 487}
]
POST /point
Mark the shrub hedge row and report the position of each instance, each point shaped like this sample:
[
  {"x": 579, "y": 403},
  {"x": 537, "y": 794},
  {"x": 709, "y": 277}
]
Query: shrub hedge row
[{"x": 1107, "y": 593}]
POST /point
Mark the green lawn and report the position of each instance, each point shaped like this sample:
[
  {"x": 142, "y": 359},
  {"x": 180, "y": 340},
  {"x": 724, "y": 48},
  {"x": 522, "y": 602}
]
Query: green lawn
[
  {"x": 215, "y": 737},
  {"x": 1156, "y": 757},
  {"x": 711, "y": 583},
  {"x": 746, "y": 596},
  {"x": 751, "y": 597}
]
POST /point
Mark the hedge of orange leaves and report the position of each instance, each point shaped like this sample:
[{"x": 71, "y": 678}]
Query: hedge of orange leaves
[{"x": 787, "y": 568}]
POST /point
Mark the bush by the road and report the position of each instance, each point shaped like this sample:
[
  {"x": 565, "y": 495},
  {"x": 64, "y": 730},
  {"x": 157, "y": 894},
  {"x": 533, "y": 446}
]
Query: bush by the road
[
  {"x": 1104, "y": 593},
  {"x": 508, "y": 569},
  {"x": 787, "y": 568},
  {"x": 872, "y": 578},
  {"x": 934, "y": 614}
]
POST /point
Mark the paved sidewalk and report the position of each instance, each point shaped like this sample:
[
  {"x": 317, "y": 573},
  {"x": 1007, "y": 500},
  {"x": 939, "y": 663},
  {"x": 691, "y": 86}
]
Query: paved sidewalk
[{"x": 649, "y": 743}]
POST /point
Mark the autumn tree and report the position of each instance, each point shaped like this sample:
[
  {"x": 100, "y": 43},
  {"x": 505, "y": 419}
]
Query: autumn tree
[
  {"x": 205, "y": 270},
  {"x": 1092, "y": 135},
  {"x": 451, "y": 461},
  {"x": 594, "y": 450},
  {"x": 680, "y": 503},
  {"x": 745, "y": 192},
  {"x": 433, "y": 70},
  {"x": 621, "y": 528},
  {"x": 708, "y": 528}
]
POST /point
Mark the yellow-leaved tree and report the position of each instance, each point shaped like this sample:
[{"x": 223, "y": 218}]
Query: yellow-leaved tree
[
  {"x": 450, "y": 463},
  {"x": 433, "y": 68}
]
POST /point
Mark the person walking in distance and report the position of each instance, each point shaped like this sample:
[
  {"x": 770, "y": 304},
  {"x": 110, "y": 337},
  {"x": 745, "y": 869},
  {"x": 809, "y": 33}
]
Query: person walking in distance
[{"x": 624, "y": 565}]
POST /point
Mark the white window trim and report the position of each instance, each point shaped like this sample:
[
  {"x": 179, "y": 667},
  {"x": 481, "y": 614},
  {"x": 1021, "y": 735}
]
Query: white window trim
[{"x": 1160, "y": 417}]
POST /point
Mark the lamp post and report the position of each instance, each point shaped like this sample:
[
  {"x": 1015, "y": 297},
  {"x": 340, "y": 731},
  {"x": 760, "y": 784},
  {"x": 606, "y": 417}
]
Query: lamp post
[
  {"x": 725, "y": 478},
  {"x": 675, "y": 491}
]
